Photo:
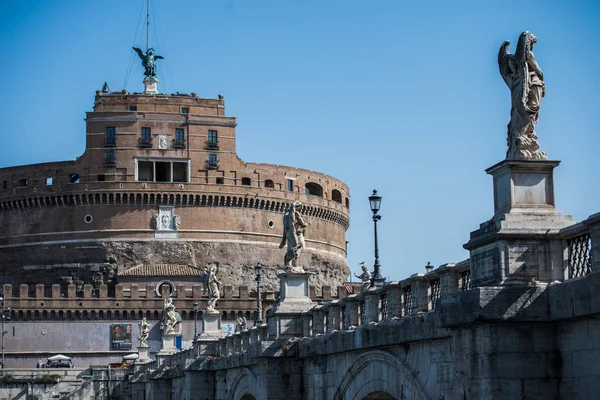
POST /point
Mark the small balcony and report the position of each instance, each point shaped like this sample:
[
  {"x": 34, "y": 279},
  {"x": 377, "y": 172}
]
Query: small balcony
[
  {"x": 178, "y": 144},
  {"x": 212, "y": 145},
  {"x": 110, "y": 142},
  {"x": 212, "y": 164},
  {"x": 145, "y": 143}
]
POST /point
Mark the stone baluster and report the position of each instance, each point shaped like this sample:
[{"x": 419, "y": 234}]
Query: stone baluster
[
  {"x": 334, "y": 316},
  {"x": 419, "y": 288},
  {"x": 307, "y": 323},
  {"x": 318, "y": 314},
  {"x": 352, "y": 304},
  {"x": 393, "y": 297},
  {"x": 245, "y": 341},
  {"x": 449, "y": 278},
  {"x": 237, "y": 342},
  {"x": 371, "y": 307}
]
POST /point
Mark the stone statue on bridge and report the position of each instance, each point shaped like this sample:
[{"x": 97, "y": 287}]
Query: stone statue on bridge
[
  {"x": 144, "y": 332},
  {"x": 365, "y": 277},
  {"x": 171, "y": 318},
  {"x": 294, "y": 229},
  {"x": 525, "y": 80},
  {"x": 214, "y": 293}
]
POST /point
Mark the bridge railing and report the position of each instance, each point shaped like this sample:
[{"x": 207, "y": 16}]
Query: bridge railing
[{"x": 582, "y": 247}]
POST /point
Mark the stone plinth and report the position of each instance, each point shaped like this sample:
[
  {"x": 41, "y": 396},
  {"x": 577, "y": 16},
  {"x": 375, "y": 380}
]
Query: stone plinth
[
  {"x": 285, "y": 319},
  {"x": 520, "y": 244},
  {"x": 168, "y": 345},
  {"x": 211, "y": 326},
  {"x": 143, "y": 354},
  {"x": 150, "y": 85}
]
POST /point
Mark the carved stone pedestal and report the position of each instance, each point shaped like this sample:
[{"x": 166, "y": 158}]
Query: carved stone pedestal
[
  {"x": 168, "y": 345},
  {"x": 143, "y": 354},
  {"x": 520, "y": 244},
  {"x": 150, "y": 85},
  {"x": 211, "y": 326},
  {"x": 285, "y": 319}
]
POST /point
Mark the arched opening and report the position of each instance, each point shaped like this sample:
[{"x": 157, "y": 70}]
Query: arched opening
[
  {"x": 269, "y": 184},
  {"x": 313, "y": 189},
  {"x": 347, "y": 202},
  {"x": 248, "y": 397},
  {"x": 246, "y": 181},
  {"x": 336, "y": 196}
]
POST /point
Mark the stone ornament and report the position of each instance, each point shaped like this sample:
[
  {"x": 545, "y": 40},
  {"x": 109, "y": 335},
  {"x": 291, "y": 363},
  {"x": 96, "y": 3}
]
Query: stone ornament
[
  {"x": 162, "y": 142},
  {"x": 525, "y": 80},
  {"x": 144, "y": 332},
  {"x": 365, "y": 277},
  {"x": 294, "y": 229},
  {"x": 214, "y": 293},
  {"x": 170, "y": 317},
  {"x": 166, "y": 220}
]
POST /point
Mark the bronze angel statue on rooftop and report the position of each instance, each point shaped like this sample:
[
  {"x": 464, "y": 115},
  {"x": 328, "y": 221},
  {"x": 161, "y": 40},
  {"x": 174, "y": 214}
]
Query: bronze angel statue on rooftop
[
  {"x": 148, "y": 61},
  {"x": 525, "y": 80}
]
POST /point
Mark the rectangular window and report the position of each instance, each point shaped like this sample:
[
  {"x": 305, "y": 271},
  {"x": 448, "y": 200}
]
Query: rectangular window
[
  {"x": 146, "y": 134},
  {"x": 110, "y": 132},
  {"x": 179, "y": 172},
  {"x": 48, "y": 181},
  {"x": 4, "y": 184},
  {"x": 145, "y": 171},
  {"x": 101, "y": 178},
  {"x": 213, "y": 137},
  {"x": 110, "y": 158},
  {"x": 220, "y": 181},
  {"x": 184, "y": 110},
  {"x": 179, "y": 135},
  {"x": 162, "y": 171},
  {"x": 212, "y": 158},
  {"x": 290, "y": 185},
  {"x": 132, "y": 108}
]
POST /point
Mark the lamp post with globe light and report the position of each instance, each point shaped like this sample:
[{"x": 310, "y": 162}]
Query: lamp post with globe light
[
  {"x": 375, "y": 202},
  {"x": 258, "y": 269}
]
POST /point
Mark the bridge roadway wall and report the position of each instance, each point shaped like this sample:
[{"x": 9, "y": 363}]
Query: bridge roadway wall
[{"x": 482, "y": 343}]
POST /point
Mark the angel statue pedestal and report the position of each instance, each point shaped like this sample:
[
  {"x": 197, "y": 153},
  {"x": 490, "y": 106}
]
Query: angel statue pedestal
[
  {"x": 285, "y": 319},
  {"x": 143, "y": 354},
  {"x": 150, "y": 85},
  {"x": 520, "y": 244},
  {"x": 168, "y": 345}
]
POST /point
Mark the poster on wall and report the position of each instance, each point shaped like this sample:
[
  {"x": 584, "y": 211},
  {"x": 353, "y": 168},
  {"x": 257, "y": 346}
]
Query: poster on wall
[{"x": 120, "y": 337}]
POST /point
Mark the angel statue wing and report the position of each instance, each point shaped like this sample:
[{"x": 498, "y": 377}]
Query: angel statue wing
[
  {"x": 507, "y": 64},
  {"x": 140, "y": 53},
  {"x": 159, "y": 58}
]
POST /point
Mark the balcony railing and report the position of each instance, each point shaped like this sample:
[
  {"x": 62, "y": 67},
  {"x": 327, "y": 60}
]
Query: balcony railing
[
  {"x": 110, "y": 142},
  {"x": 145, "y": 143},
  {"x": 211, "y": 145},
  {"x": 178, "y": 144},
  {"x": 212, "y": 164},
  {"x": 110, "y": 162}
]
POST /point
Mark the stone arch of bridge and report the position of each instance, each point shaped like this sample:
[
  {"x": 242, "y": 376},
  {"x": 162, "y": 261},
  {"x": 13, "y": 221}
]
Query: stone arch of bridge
[
  {"x": 379, "y": 372},
  {"x": 244, "y": 386}
]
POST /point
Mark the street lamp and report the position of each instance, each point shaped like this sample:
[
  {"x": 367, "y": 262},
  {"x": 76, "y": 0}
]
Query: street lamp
[
  {"x": 375, "y": 203},
  {"x": 195, "y": 319},
  {"x": 5, "y": 317},
  {"x": 258, "y": 270}
]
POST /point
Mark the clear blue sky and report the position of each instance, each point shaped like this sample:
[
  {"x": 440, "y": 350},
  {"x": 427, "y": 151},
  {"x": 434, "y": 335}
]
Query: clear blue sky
[{"x": 400, "y": 96}]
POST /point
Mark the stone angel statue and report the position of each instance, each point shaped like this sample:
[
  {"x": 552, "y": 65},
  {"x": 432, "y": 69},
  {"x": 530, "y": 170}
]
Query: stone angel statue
[
  {"x": 171, "y": 318},
  {"x": 365, "y": 277},
  {"x": 525, "y": 80},
  {"x": 144, "y": 332},
  {"x": 148, "y": 61},
  {"x": 214, "y": 293},
  {"x": 294, "y": 229}
]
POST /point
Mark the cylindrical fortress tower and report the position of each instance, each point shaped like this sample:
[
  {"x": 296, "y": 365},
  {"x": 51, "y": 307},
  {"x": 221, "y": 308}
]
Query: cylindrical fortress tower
[{"x": 160, "y": 183}]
